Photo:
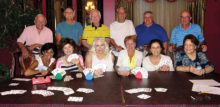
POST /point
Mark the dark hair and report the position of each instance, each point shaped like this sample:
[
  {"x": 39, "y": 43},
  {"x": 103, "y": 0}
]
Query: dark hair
[
  {"x": 192, "y": 38},
  {"x": 65, "y": 41},
  {"x": 48, "y": 46},
  {"x": 69, "y": 8},
  {"x": 131, "y": 37},
  {"x": 156, "y": 41}
]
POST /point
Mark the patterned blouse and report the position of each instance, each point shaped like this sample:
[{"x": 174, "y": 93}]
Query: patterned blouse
[{"x": 183, "y": 60}]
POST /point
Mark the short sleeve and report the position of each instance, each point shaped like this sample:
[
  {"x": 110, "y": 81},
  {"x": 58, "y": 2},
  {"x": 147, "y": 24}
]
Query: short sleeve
[
  {"x": 178, "y": 59},
  {"x": 204, "y": 60},
  {"x": 58, "y": 29},
  {"x": 173, "y": 36}
]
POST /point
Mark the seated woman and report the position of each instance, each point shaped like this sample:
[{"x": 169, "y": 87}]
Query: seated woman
[
  {"x": 156, "y": 61},
  {"x": 99, "y": 54},
  {"x": 45, "y": 63},
  {"x": 130, "y": 58},
  {"x": 191, "y": 60},
  {"x": 68, "y": 47}
]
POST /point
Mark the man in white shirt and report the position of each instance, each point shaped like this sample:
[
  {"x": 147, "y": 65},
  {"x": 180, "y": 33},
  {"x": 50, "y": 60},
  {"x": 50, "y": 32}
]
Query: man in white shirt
[{"x": 120, "y": 29}]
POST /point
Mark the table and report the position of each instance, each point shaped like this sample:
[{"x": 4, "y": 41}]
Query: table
[
  {"x": 109, "y": 91},
  {"x": 179, "y": 90}
]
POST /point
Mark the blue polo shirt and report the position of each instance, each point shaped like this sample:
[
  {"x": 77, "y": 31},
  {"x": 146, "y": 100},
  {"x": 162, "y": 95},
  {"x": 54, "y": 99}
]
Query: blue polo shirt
[
  {"x": 72, "y": 31},
  {"x": 146, "y": 34},
  {"x": 178, "y": 34}
]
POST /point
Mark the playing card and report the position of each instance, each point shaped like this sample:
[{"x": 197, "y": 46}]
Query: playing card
[
  {"x": 13, "y": 84},
  {"x": 13, "y": 92},
  {"x": 160, "y": 89},
  {"x": 75, "y": 99},
  {"x": 138, "y": 90},
  {"x": 21, "y": 79},
  {"x": 66, "y": 91},
  {"x": 45, "y": 93},
  {"x": 72, "y": 56},
  {"x": 124, "y": 68},
  {"x": 68, "y": 78},
  {"x": 143, "y": 96},
  {"x": 85, "y": 90}
]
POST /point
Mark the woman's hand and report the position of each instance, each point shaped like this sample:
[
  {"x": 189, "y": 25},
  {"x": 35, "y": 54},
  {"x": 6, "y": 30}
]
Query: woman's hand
[
  {"x": 123, "y": 73},
  {"x": 194, "y": 70},
  {"x": 44, "y": 72},
  {"x": 164, "y": 68},
  {"x": 98, "y": 72},
  {"x": 75, "y": 61}
]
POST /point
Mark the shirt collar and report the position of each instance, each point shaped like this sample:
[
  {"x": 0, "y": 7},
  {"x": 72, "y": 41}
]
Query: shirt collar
[{"x": 100, "y": 25}]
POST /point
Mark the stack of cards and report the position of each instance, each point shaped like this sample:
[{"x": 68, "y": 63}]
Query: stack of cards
[
  {"x": 13, "y": 84},
  {"x": 143, "y": 96},
  {"x": 85, "y": 90},
  {"x": 68, "y": 78},
  {"x": 66, "y": 91},
  {"x": 99, "y": 66},
  {"x": 138, "y": 90},
  {"x": 75, "y": 99},
  {"x": 140, "y": 73},
  {"x": 13, "y": 92},
  {"x": 45, "y": 93},
  {"x": 21, "y": 79},
  {"x": 160, "y": 89}
]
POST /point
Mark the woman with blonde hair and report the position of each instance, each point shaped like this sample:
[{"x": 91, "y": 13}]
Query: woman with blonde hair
[{"x": 99, "y": 54}]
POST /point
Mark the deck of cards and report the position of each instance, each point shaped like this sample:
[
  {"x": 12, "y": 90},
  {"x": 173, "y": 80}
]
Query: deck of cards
[
  {"x": 13, "y": 84},
  {"x": 100, "y": 66},
  {"x": 140, "y": 73},
  {"x": 143, "y": 96},
  {"x": 138, "y": 90},
  {"x": 68, "y": 78},
  {"x": 85, "y": 90},
  {"x": 11, "y": 92},
  {"x": 21, "y": 79},
  {"x": 66, "y": 91},
  {"x": 160, "y": 89},
  {"x": 75, "y": 99},
  {"x": 45, "y": 93}
]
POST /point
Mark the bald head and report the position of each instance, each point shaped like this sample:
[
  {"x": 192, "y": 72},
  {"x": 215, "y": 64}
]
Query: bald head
[
  {"x": 185, "y": 18},
  {"x": 40, "y": 21},
  {"x": 121, "y": 14}
]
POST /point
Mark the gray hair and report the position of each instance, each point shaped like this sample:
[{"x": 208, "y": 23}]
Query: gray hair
[
  {"x": 94, "y": 10},
  {"x": 121, "y": 8},
  {"x": 92, "y": 49},
  {"x": 40, "y": 15}
]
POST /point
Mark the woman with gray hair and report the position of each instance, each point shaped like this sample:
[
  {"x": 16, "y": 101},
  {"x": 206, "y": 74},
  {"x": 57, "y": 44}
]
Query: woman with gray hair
[{"x": 99, "y": 54}]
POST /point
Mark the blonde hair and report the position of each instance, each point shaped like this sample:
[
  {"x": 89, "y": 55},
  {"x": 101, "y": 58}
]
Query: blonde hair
[{"x": 92, "y": 49}]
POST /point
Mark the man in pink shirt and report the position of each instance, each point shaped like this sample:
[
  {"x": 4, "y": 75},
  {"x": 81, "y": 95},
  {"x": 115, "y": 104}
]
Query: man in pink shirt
[{"x": 35, "y": 35}]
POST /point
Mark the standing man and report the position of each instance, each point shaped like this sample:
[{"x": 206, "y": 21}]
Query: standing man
[
  {"x": 69, "y": 28},
  {"x": 34, "y": 36},
  {"x": 96, "y": 29},
  {"x": 120, "y": 29},
  {"x": 149, "y": 30},
  {"x": 185, "y": 28}
]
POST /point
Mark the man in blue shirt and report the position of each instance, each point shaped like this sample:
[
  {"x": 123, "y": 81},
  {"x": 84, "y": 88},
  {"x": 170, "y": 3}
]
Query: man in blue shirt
[
  {"x": 69, "y": 28},
  {"x": 185, "y": 28},
  {"x": 149, "y": 30}
]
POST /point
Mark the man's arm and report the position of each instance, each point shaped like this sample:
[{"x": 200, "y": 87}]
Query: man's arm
[
  {"x": 112, "y": 41},
  {"x": 24, "y": 50},
  {"x": 58, "y": 39},
  {"x": 80, "y": 41},
  {"x": 165, "y": 45},
  {"x": 84, "y": 42}
]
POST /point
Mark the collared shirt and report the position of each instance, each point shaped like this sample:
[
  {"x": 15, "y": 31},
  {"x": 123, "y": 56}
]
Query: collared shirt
[
  {"x": 119, "y": 31},
  {"x": 201, "y": 60},
  {"x": 178, "y": 34},
  {"x": 72, "y": 31},
  {"x": 91, "y": 32},
  {"x": 123, "y": 59},
  {"x": 146, "y": 34},
  {"x": 31, "y": 36}
]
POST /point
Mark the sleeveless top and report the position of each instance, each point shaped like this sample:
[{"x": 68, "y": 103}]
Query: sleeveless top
[
  {"x": 40, "y": 62},
  {"x": 107, "y": 61}
]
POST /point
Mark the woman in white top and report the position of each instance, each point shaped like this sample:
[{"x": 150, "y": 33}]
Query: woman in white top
[
  {"x": 44, "y": 64},
  {"x": 129, "y": 58},
  {"x": 99, "y": 54},
  {"x": 156, "y": 61}
]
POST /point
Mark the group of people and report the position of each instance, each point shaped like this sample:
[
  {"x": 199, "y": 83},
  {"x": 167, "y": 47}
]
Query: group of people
[{"x": 121, "y": 47}]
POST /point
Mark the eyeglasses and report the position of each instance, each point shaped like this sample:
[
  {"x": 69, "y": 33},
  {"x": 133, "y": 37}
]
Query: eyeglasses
[{"x": 184, "y": 17}]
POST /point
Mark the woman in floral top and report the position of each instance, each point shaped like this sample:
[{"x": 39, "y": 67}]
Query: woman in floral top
[{"x": 191, "y": 60}]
